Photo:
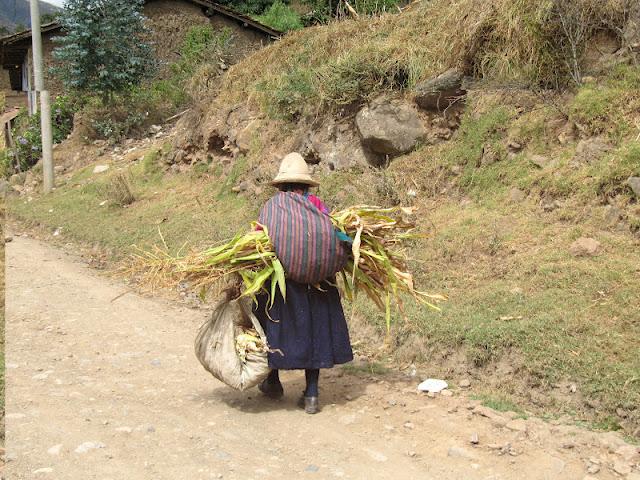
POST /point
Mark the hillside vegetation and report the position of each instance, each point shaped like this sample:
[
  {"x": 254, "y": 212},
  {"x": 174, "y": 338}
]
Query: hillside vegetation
[{"x": 536, "y": 157}]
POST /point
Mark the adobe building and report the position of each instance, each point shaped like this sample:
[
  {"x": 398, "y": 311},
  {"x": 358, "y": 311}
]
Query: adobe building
[{"x": 169, "y": 21}]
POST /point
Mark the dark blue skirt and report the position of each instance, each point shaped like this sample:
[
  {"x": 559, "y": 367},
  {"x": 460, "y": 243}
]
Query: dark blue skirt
[{"x": 309, "y": 328}]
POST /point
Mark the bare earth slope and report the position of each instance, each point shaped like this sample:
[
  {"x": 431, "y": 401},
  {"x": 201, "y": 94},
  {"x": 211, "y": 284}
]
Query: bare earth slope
[{"x": 85, "y": 364}]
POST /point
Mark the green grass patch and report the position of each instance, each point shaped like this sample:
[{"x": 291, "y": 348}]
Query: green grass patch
[
  {"x": 500, "y": 403},
  {"x": 183, "y": 209},
  {"x": 281, "y": 17},
  {"x": 370, "y": 368}
]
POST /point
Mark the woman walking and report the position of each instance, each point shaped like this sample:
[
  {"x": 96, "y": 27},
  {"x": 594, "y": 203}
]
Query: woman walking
[{"x": 308, "y": 327}]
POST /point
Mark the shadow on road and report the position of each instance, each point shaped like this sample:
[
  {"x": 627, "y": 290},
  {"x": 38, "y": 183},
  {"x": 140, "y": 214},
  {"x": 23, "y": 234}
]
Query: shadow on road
[{"x": 334, "y": 389}]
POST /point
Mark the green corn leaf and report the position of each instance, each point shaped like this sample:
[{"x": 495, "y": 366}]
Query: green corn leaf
[{"x": 280, "y": 277}]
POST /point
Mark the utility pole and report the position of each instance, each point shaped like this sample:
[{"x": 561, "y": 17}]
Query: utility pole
[{"x": 45, "y": 100}]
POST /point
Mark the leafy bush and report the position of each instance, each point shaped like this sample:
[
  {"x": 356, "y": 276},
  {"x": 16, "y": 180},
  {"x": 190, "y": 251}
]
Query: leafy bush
[
  {"x": 28, "y": 141},
  {"x": 6, "y": 163},
  {"x": 250, "y": 7},
  {"x": 322, "y": 11},
  {"x": 104, "y": 50},
  {"x": 281, "y": 17}
]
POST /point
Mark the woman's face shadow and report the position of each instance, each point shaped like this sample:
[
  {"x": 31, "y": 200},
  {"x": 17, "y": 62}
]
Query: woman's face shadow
[{"x": 336, "y": 388}]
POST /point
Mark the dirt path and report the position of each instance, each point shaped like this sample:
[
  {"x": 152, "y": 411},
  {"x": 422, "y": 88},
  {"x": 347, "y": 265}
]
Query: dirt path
[{"x": 85, "y": 365}]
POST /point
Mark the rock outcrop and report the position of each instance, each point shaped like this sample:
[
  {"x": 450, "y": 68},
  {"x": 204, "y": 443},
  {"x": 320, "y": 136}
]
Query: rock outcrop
[
  {"x": 436, "y": 94},
  {"x": 336, "y": 146},
  {"x": 389, "y": 127}
]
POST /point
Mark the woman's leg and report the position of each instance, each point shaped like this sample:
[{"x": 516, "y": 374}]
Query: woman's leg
[
  {"x": 274, "y": 377},
  {"x": 271, "y": 385},
  {"x": 312, "y": 375}
]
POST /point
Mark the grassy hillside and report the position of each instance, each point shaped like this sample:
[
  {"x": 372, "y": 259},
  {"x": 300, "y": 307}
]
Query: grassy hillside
[{"x": 529, "y": 171}]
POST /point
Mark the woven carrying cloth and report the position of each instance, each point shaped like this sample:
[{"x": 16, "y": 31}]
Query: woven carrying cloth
[{"x": 303, "y": 237}]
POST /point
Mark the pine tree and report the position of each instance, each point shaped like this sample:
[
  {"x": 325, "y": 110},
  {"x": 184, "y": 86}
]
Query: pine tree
[{"x": 104, "y": 50}]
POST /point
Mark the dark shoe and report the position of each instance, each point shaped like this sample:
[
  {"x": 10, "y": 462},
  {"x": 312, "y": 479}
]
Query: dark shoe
[
  {"x": 310, "y": 404},
  {"x": 271, "y": 390}
]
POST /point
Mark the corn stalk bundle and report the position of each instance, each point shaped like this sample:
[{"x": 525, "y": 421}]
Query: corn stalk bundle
[{"x": 378, "y": 265}]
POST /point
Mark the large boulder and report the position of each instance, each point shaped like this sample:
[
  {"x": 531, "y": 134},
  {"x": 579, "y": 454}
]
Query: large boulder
[
  {"x": 335, "y": 147},
  {"x": 389, "y": 127},
  {"x": 440, "y": 92}
]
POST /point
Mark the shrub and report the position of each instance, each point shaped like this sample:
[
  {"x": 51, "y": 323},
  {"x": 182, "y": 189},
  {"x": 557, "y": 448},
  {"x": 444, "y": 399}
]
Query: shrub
[
  {"x": 251, "y": 7},
  {"x": 118, "y": 190},
  {"x": 281, "y": 17},
  {"x": 103, "y": 50},
  {"x": 28, "y": 144}
]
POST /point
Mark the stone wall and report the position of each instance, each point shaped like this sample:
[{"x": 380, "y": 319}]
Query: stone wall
[{"x": 170, "y": 21}]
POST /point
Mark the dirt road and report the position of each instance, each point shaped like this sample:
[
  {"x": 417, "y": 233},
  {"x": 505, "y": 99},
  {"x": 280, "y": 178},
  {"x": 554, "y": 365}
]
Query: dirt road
[{"x": 103, "y": 386}]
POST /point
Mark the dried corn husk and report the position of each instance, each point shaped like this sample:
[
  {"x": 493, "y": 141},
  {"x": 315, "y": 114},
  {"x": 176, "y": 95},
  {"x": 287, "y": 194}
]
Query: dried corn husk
[{"x": 378, "y": 265}]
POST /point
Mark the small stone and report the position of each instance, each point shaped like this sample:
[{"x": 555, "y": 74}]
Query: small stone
[
  {"x": 475, "y": 439},
  {"x": 86, "y": 446},
  {"x": 10, "y": 457},
  {"x": 634, "y": 183},
  {"x": 431, "y": 395},
  {"x": 43, "y": 470},
  {"x": 516, "y": 195},
  {"x": 446, "y": 393},
  {"x": 630, "y": 453},
  {"x": 514, "y": 146},
  {"x": 517, "y": 425},
  {"x": 155, "y": 362},
  {"x": 573, "y": 388},
  {"x": 591, "y": 150},
  {"x": 540, "y": 161},
  {"x": 464, "y": 383},
  {"x": 312, "y": 468},
  {"x": 550, "y": 204},
  {"x": 494, "y": 446},
  {"x": 584, "y": 247},
  {"x": 459, "y": 452},
  {"x": 151, "y": 429},
  {"x": 495, "y": 417},
  {"x": 412, "y": 454},
  {"x": 124, "y": 429},
  {"x": 593, "y": 469},
  {"x": 348, "y": 419},
  {"x": 409, "y": 425},
  {"x": 100, "y": 168},
  {"x": 55, "y": 450},
  {"x": 621, "y": 468},
  {"x": 568, "y": 445},
  {"x": 14, "y": 416},
  {"x": 8, "y": 239}
]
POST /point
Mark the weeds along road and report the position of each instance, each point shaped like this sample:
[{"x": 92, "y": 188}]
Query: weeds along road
[{"x": 103, "y": 386}]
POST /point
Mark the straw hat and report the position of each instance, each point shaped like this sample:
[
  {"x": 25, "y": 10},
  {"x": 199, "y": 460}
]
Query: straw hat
[{"x": 294, "y": 169}]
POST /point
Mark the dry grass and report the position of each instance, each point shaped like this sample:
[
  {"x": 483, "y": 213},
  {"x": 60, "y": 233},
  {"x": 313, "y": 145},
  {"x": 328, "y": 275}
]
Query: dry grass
[
  {"x": 118, "y": 190},
  {"x": 513, "y": 41}
]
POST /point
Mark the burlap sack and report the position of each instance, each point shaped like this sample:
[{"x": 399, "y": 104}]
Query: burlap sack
[{"x": 215, "y": 345}]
